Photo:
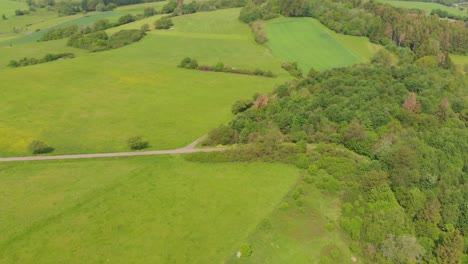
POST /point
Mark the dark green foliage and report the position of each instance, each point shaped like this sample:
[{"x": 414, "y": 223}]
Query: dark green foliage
[
  {"x": 96, "y": 41},
  {"x": 4, "y": 17},
  {"x": 125, "y": 19},
  {"x": 188, "y": 63},
  {"x": 31, "y": 61},
  {"x": 39, "y": 147},
  {"x": 293, "y": 69},
  {"x": 99, "y": 40},
  {"x": 137, "y": 143},
  {"x": 241, "y": 106},
  {"x": 149, "y": 11},
  {"x": 163, "y": 23},
  {"x": 407, "y": 198},
  {"x": 124, "y": 37},
  {"x": 59, "y": 33},
  {"x": 169, "y": 7},
  {"x": 246, "y": 250},
  {"x": 252, "y": 12},
  {"x": 21, "y": 12}
]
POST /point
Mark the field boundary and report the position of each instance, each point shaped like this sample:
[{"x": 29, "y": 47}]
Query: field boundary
[{"x": 191, "y": 148}]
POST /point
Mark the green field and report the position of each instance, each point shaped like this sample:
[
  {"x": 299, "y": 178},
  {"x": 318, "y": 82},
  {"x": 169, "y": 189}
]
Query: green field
[
  {"x": 460, "y": 61},
  {"x": 142, "y": 210},
  {"x": 8, "y": 7},
  {"x": 426, "y": 7},
  {"x": 93, "y": 103},
  {"x": 311, "y": 44},
  {"x": 300, "y": 237}
]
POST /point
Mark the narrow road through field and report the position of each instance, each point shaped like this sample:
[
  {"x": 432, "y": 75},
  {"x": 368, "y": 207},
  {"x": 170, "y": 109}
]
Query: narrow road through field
[{"x": 188, "y": 149}]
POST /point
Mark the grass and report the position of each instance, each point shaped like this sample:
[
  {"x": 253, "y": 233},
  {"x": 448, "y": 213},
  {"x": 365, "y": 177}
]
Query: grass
[
  {"x": 294, "y": 235},
  {"x": 311, "y": 44},
  {"x": 95, "y": 102},
  {"x": 148, "y": 209},
  {"x": 8, "y": 7},
  {"x": 460, "y": 61},
  {"x": 426, "y": 7}
]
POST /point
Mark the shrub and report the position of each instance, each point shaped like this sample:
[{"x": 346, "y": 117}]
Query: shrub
[
  {"x": 32, "y": 61},
  {"x": 293, "y": 69},
  {"x": 126, "y": 19},
  {"x": 96, "y": 41},
  {"x": 149, "y": 11},
  {"x": 169, "y": 7},
  {"x": 246, "y": 250},
  {"x": 137, "y": 143},
  {"x": 39, "y": 147},
  {"x": 163, "y": 23},
  {"x": 145, "y": 28},
  {"x": 219, "y": 67},
  {"x": 60, "y": 33},
  {"x": 188, "y": 63},
  {"x": 241, "y": 106},
  {"x": 4, "y": 17},
  {"x": 124, "y": 37},
  {"x": 258, "y": 28}
]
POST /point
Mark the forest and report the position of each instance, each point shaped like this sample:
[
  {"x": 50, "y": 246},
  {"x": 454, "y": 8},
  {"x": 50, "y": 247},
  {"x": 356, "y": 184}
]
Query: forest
[{"x": 409, "y": 120}]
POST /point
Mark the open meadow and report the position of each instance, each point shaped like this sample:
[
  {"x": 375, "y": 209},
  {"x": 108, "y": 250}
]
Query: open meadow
[
  {"x": 426, "y": 7},
  {"x": 95, "y": 102},
  {"x": 143, "y": 210},
  {"x": 311, "y": 44}
]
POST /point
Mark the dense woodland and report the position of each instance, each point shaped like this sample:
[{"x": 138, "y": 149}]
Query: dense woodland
[
  {"x": 409, "y": 121},
  {"x": 424, "y": 35}
]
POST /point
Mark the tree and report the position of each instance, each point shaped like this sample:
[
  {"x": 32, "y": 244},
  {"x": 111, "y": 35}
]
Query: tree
[
  {"x": 4, "y": 17},
  {"x": 149, "y": 11},
  {"x": 450, "y": 250},
  {"x": 402, "y": 249},
  {"x": 137, "y": 143},
  {"x": 411, "y": 104},
  {"x": 39, "y": 147},
  {"x": 163, "y": 23}
]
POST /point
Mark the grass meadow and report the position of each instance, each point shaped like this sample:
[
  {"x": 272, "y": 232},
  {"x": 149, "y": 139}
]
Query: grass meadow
[
  {"x": 93, "y": 103},
  {"x": 311, "y": 44},
  {"x": 307, "y": 235},
  {"x": 8, "y": 7},
  {"x": 426, "y": 7},
  {"x": 159, "y": 209},
  {"x": 460, "y": 61}
]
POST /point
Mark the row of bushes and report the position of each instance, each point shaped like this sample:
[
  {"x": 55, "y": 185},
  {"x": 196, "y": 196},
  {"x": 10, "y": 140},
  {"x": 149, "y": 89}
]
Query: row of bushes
[
  {"x": 260, "y": 33},
  {"x": 172, "y": 6},
  {"x": 189, "y": 63},
  {"x": 99, "y": 41},
  {"x": 102, "y": 24},
  {"x": 31, "y": 61},
  {"x": 40, "y": 147}
]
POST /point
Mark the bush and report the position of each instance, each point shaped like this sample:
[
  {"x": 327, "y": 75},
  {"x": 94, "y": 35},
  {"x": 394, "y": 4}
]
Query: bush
[
  {"x": 169, "y": 7},
  {"x": 149, "y": 11},
  {"x": 163, "y": 23},
  {"x": 137, "y": 143},
  {"x": 47, "y": 58},
  {"x": 246, "y": 250},
  {"x": 241, "y": 106},
  {"x": 145, "y": 28},
  {"x": 293, "y": 69},
  {"x": 96, "y": 41},
  {"x": 39, "y": 147},
  {"x": 258, "y": 28},
  {"x": 219, "y": 67},
  {"x": 126, "y": 19},
  {"x": 188, "y": 63},
  {"x": 124, "y": 37},
  {"x": 60, "y": 33}
]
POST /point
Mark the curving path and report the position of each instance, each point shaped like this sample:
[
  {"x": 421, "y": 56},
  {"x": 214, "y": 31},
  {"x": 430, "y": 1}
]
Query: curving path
[{"x": 188, "y": 149}]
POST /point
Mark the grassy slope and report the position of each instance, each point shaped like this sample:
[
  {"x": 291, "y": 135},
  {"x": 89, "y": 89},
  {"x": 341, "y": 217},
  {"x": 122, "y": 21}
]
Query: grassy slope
[
  {"x": 8, "y": 7},
  {"x": 135, "y": 90},
  {"x": 425, "y": 6},
  {"x": 460, "y": 61},
  {"x": 311, "y": 44},
  {"x": 300, "y": 236},
  {"x": 147, "y": 210},
  {"x": 50, "y": 20}
]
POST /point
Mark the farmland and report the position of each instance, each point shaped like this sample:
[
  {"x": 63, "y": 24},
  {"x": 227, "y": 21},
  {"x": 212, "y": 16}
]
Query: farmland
[
  {"x": 426, "y": 7},
  {"x": 311, "y": 44},
  {"x": 151, "y": 209}
]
